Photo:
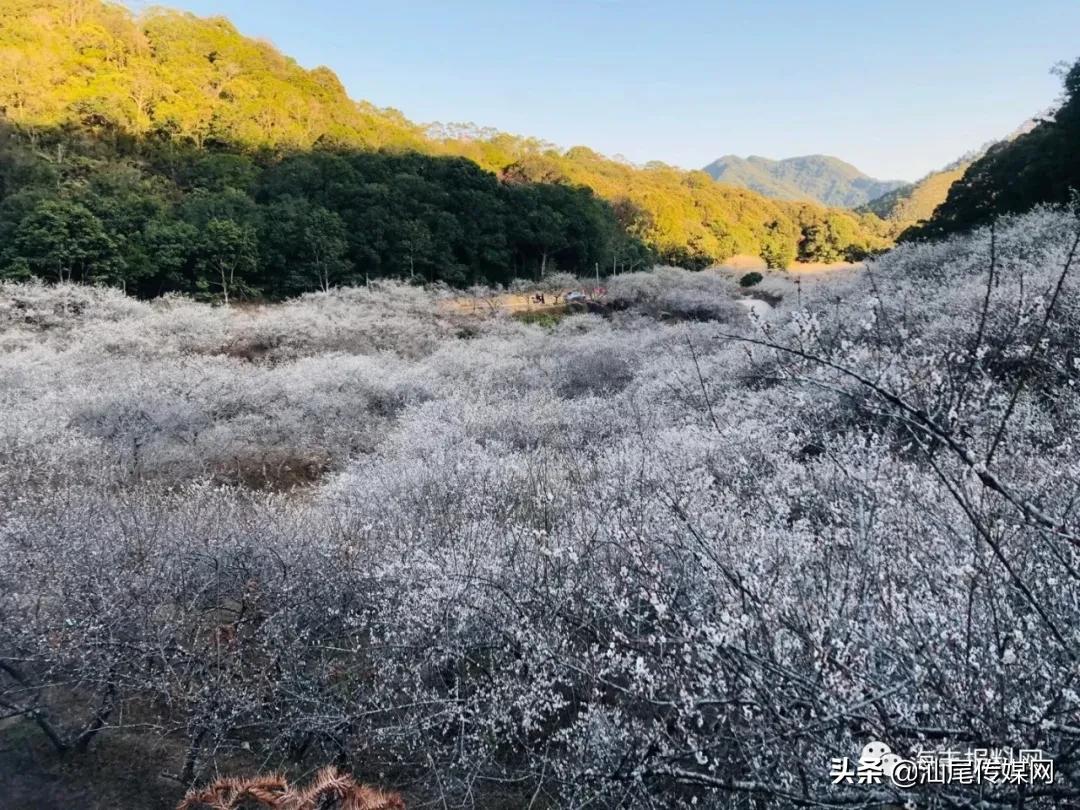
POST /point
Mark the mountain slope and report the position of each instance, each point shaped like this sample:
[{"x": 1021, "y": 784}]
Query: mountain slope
[
  {"x": 820, "y": 178},
  {"x": 1039, "y": 164},
  {"x": 170, "y": 73},
  {"x": 915, "y": 202},
  {"x": 145, "y": 83}
]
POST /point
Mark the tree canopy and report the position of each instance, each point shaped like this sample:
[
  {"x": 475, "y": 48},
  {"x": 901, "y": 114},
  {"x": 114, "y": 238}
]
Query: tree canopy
[
  {"x": 159, "y": 216},
  {"x": 1040, "y": 166},
  {"x": 162, "y": 151}
]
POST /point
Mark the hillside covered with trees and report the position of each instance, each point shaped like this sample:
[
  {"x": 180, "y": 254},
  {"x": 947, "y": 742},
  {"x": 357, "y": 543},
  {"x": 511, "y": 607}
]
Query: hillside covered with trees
[
  {"x": 155, "y": 217},
  {"x": 910, "y": 204},
  {"x": 817, "y": 178},
  {"x": 1041, "y": 165},
  {"x": 165, "y": 152}
]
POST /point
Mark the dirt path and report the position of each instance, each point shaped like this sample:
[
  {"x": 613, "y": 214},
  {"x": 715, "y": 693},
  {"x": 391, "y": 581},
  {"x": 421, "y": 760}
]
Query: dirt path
[{"x": 119, "y": 772}]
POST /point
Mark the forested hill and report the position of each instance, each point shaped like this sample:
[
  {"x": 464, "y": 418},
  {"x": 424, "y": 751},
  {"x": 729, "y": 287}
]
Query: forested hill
[
  {"x": 169, "y": 73},
  {"x": 820, "y": 178},
  {"x": 913, "y": 203},
  {"x": 162, "y": 152},
  {"x": 1040, "y": 165}
]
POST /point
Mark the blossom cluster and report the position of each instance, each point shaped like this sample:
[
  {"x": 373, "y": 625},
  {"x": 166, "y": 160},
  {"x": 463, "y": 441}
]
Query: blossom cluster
[{"x": 670, "y": 555}]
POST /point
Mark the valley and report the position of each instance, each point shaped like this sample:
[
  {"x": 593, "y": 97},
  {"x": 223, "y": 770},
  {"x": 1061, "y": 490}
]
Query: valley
[{"x": 354, "y": 463}]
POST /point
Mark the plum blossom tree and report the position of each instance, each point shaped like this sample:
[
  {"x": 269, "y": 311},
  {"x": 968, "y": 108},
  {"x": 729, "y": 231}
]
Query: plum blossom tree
[{"x": 675, "y": 556}]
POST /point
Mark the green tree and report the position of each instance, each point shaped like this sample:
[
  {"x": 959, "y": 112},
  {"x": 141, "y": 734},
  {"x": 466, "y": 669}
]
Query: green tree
[
  {"x": 303, "y": 246},
  {"x": 1040, "y": 166},
  {"x": 417, "y": 243},
  {"x": 227, "y": 254},
  {"x": 778, "y": 249},
  {"x": 324, "y": 245},
  {"x": 174, "y": 247},
  {"x": 64, "y": 240}
]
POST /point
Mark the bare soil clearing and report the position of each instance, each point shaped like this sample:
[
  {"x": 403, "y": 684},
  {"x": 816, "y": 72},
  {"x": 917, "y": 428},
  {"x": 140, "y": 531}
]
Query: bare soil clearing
[
  {"x": 744, "y": 263},
  {"x": 508, "y": 302}
]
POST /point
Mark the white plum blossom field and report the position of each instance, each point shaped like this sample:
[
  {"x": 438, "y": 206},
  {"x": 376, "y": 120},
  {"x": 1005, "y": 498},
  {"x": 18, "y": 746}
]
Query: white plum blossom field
[{"x": 677, "y": 552}]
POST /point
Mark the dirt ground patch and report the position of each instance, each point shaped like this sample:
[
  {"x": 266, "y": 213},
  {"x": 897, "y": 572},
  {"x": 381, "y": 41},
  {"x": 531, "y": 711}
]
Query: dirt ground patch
[
  {"x": 744, "y": 263},
  {"x": 824, "y": 268},
  {"x": 507, "y": 302},
  {"x": 117, "y": 773}
]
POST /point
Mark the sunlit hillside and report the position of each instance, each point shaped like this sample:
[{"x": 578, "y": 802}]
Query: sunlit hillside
[
  {"x": 97, "y": 68},
  {"x": 906, "y": 206}
]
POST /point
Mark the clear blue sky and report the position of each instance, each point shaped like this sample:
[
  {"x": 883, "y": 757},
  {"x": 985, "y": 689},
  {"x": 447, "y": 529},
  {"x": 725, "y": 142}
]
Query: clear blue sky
[{"x": 897, "y": 88}]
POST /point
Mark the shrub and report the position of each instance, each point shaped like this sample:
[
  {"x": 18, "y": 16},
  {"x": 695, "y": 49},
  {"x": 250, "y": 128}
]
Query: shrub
[
  {"x": 547, "y": 318},
  {"x": 539, "y": 555},
  {"x": 676, "y": 293},
  {"x": 593, "y": 369}
]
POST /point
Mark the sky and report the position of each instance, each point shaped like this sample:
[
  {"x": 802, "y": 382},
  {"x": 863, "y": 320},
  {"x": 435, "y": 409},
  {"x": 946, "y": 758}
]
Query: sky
[{"x": 898, "y": 89}]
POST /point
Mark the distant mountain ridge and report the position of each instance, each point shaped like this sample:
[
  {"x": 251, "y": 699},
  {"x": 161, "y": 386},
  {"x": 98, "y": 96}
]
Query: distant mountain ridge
[{"x": 820, "y": 178}]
